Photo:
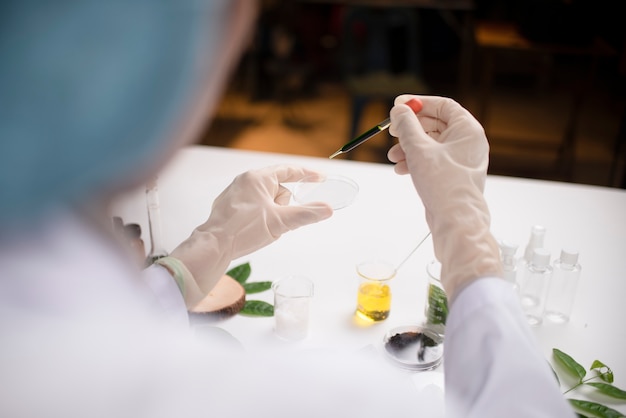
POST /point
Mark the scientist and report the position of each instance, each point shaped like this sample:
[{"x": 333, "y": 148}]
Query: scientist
[{"x": 95, "y": 96}]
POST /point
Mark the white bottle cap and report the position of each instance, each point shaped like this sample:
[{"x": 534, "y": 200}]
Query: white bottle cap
[
  {"x": 508, "y": 248},
  {"x": 537, "y": 235},
  {"x": 541, "y": 257},
  {"x": 569, "y": 256},
  {"x": 538, "y": 230}
]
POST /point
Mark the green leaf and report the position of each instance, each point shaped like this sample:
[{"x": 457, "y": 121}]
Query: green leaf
[
  {"x": 571, "y": 365},
  {"x": 240, "y": 273},
  {"x": 597, "y": 364},
  {"x": 607, "y": 377},
  {"x": 595, "y": 409},
  {"x": 257, "y": 308},
  {"x": 437, "y": 305},
  {"x": 256, "y": 287},
  {"x": 609, "y": 390},
  {"x": 604, "y": 372}
]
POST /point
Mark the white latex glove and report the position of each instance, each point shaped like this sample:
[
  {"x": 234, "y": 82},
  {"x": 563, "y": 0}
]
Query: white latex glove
[
  {"x": 249, "y": 214},
  {"x": 445, "y": 150}
]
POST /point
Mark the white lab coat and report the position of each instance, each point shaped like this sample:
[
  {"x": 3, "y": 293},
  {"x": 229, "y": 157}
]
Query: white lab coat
[{"x": 83, "y": 333}]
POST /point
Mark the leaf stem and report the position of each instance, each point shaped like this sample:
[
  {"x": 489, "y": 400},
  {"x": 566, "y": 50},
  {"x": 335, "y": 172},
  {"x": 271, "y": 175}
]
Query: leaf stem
[{"x": 582, "y": 382}]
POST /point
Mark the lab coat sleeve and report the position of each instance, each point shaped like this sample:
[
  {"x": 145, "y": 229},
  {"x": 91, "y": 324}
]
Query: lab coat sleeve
[
  {"x": 167, "y": 295},
  {"x": 493, "y": 367}
]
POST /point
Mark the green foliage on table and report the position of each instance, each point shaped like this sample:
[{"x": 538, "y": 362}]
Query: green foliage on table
[
  {"x": 594, "y": 409},
  {"x": 241, "y": 274},
  {"x": 257, "y": 308},
  {"x": 257, "y": 287},
  {"x": 600, "y": 372},
  {"x": 609, "y": 390}
]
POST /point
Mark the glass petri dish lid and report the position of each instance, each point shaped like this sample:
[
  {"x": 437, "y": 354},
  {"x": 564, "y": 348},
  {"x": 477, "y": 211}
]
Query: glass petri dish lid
[
  {"x": 338, "y": 191},
  {"x": 414, "y": 347}
]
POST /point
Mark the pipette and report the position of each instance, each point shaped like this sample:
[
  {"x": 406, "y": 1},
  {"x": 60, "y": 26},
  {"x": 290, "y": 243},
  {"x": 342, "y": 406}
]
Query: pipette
[
  {"x": 419, "y": 244},
  {"x": 414, "y": 104}
]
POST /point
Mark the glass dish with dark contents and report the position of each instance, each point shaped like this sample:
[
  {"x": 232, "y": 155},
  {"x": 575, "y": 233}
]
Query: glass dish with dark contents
[{"x": 414, "y": 347}]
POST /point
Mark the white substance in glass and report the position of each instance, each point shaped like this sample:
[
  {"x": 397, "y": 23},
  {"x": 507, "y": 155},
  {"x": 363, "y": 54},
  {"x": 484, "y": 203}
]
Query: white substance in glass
[
  {"x": 292, "y": 317},
  {"x": 292, "y": 296}
]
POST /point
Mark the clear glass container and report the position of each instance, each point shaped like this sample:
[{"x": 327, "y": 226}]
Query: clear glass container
[
  {"x": 562, "y": 290},
  {"x": 374, "y": 291},
  {"x": 292, "y": 299},
  {"x": 436, "y": 307},
  {"x": 337, "y": 191},
  {"x": 509, "y": 263},
  {"x": 537, "y": 237},
  {"x": 534, "y": 286},
  {"x": 414, "y": 347}
]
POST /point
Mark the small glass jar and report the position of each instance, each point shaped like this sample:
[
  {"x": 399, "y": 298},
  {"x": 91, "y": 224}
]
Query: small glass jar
[
  {"x": 292, "y": 299},
  {"x": 436, "y": 307},
  {"x": 374, "y": 291}
]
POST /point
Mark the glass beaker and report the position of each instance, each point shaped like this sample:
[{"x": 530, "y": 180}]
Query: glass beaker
[
  {"x": 374, "y": 293},
  {"x": 292, "y": 296},
  {"x": 436, "y": 307}
]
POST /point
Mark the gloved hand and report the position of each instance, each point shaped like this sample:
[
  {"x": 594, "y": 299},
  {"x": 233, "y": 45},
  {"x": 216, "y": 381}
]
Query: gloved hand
[
  {"x": 249, "y": 214},
  {"x": 445, "y": 150}
]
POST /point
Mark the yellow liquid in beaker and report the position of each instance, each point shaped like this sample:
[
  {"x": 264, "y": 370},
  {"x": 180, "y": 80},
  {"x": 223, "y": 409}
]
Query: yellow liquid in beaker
[{"x": 373, "y": 301}]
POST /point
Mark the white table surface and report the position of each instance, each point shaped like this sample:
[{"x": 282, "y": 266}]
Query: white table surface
[{"x": 386, "y": 221}]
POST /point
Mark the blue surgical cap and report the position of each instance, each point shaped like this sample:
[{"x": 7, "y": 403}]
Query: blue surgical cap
[{"x": 89, "y": 89}]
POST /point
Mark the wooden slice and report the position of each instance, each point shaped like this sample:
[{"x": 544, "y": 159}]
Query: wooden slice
[{"x": 226, "y": 299}]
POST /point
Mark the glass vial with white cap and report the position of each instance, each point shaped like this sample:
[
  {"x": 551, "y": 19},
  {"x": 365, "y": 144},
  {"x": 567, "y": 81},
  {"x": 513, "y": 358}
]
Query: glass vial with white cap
[
  {"x": 509, "y": 263},
  {"x": 534, "y": 286},
  {"x": 536, "y": 240},
  {"x": 562, "y": 289},
  {"x": 537, "y": 235}
]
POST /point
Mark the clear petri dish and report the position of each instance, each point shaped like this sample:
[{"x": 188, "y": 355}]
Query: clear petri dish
[
  {"x": 337, "y": 191},
  {"x": 414, "y": 347}
]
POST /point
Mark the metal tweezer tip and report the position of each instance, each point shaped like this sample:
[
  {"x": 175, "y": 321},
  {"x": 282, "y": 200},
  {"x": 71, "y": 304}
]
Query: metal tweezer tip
[{"x": 336, "y": 153}]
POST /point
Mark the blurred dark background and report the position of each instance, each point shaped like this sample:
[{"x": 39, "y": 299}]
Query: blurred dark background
[{"x": 546, "y": 78}]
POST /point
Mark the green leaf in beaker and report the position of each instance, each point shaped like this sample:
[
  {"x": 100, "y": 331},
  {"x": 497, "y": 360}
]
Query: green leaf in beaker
[
  {"x": 569, "y": 364},
  {"x": 240, "y": 273},
  {"x": 609, "y": 390},
  {"x": 437, "y": 305},
  {"x": 595, "y": 409},
  {"x": 256, "y": 287},
  {"x": 257, "y": 308}
]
